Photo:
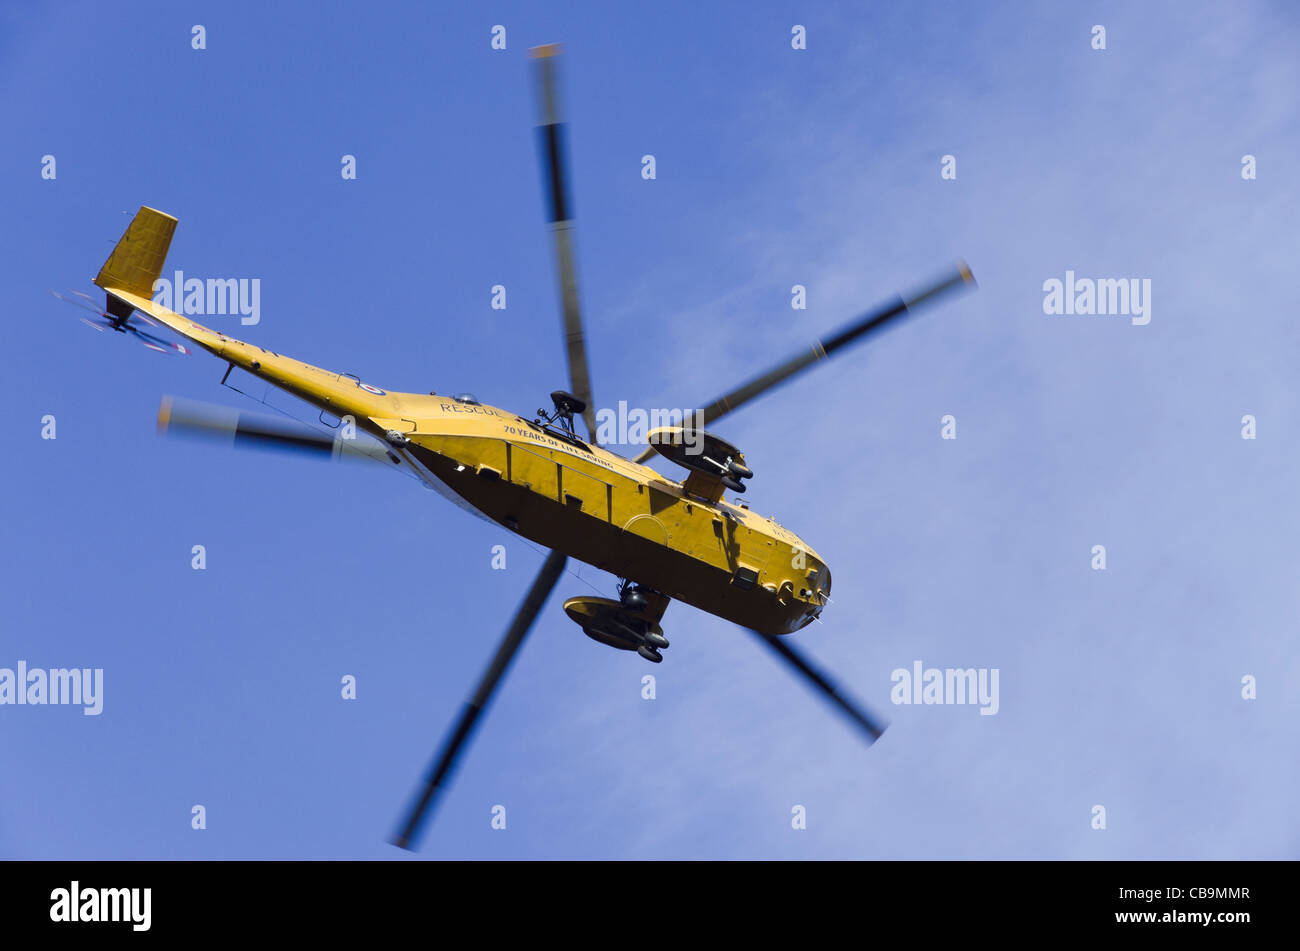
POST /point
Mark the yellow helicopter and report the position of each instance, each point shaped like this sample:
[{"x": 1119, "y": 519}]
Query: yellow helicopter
[{"x": 539, "y": 477}]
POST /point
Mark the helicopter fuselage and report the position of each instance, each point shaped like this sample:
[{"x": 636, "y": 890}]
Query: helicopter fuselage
[
  {"x": 582, "y": 500},
  {"x": 622, "y": 517}
]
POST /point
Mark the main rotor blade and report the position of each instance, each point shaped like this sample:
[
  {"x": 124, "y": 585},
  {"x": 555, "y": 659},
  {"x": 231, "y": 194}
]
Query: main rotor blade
[
  {"x": 822, "y": 350},
  {"x": 552, "y": 136},
  {"x": 445, "y": 761},
  {"x": 181, "y": 417},
  {"x": 824, "y": 684}
]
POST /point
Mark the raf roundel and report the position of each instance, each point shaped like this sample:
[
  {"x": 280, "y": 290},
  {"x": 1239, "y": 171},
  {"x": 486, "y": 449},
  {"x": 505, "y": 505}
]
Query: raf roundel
[{"x": 372, "y": 389}]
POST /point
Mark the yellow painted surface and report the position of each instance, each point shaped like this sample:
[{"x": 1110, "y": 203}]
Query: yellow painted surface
[{"x": 589, "y": 503}]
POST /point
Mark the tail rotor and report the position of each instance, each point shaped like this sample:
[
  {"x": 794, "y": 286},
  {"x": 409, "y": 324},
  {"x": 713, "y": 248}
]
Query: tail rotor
[{"x": 104, "y": 320}]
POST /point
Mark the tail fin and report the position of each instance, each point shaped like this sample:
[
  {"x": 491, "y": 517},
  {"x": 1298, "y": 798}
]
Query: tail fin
[{"x": 137, "y": 261}]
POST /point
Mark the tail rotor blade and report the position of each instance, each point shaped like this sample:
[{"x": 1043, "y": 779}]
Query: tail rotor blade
[
  {"x": 82, "y": 300},
  {"x": 156, "y": 343},
  {"x": 104, "y": 320}
]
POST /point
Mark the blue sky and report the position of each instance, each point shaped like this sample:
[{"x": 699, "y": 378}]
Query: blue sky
[{"x": 775, "y": 167}]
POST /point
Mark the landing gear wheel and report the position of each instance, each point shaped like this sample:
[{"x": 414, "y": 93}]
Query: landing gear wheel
[
  {"x": 650, "y": 654},
  {"x": 738, "y": 471},
  {"x": 657, "y": 641}
]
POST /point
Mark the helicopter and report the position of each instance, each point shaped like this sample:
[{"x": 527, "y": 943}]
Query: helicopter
[{"x": 539, "y": 476}]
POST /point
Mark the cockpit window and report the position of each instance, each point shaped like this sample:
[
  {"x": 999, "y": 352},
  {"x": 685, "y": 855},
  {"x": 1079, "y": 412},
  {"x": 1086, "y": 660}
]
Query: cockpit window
[{"x": 466, "y": 398}]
